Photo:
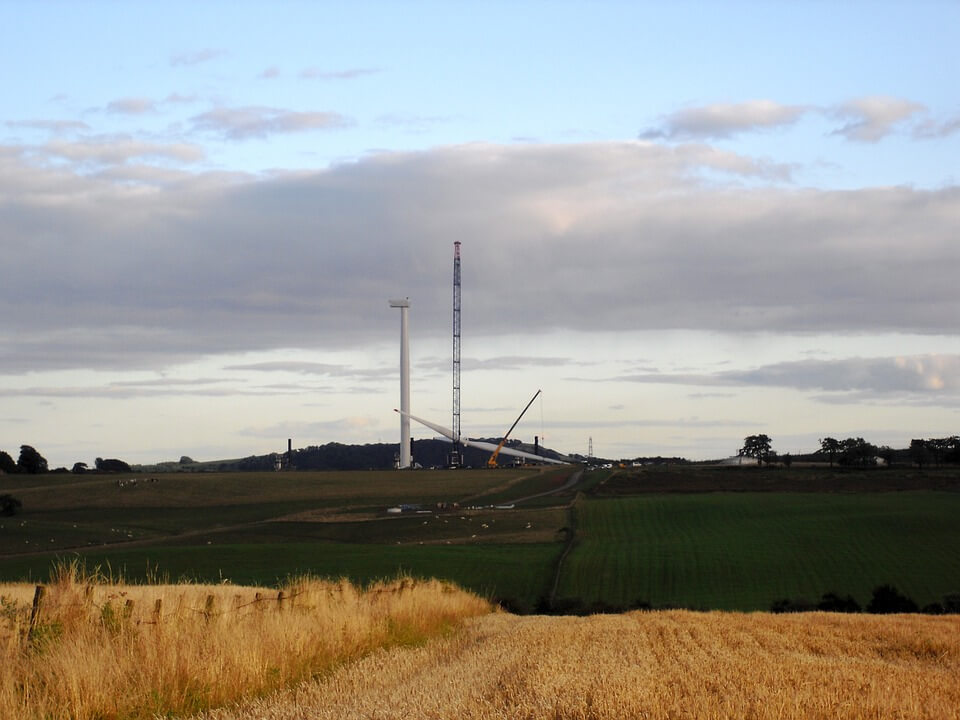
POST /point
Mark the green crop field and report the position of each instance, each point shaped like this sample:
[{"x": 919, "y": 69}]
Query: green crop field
[
  {"x": 520, "y": 573},
  {"x": 730, "y": 538},
  {"x": 745, "y": 550}
]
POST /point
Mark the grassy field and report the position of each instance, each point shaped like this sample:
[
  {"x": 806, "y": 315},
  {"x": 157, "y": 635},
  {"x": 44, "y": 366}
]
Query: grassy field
[
  {"x": 519, "y": 573},
  {"x": 744, "y": 550},
  {"x": 98, "y": 650},
  {"x": 670, "y": 536}
]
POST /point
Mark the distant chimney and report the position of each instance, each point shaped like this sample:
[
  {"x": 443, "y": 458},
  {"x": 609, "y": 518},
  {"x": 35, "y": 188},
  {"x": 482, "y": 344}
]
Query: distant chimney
[{"x": 536, "y": 444}]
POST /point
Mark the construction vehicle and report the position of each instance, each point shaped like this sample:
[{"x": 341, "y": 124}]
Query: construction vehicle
[{"x": 492, "y": 462}]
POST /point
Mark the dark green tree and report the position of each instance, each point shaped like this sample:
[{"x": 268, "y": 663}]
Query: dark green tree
[
  {"x": 31, "y": 461},
  {"x": 7, "y": 465},
  {"x": 887, "y": 599},
  {"x": 830, "y": 446},
  {"x": 112, "y": 465},
  {"x": 79, "y": 468},
  {"x": 756, "y": 446},
  {"x": 919, "y": 452},
  {"x": 858, "y": 452}
]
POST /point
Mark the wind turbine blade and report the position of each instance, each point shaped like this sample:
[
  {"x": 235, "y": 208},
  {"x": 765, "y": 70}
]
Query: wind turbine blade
[
  {"x": 446, "y": 432},
  {"x": 480, "y": 444},
  {"x": 529, "y": 456}
]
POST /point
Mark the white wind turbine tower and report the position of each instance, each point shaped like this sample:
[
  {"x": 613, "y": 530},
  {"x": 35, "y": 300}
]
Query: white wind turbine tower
[{"x": 404, "y": 305}]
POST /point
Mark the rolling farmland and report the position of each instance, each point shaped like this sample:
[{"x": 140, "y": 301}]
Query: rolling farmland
[
  {"x": 651, "y": 536},
  {"x": 744, "y": 550}
]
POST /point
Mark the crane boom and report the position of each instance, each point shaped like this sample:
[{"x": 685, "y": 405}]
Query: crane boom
[{"x": 492, "y": 462}]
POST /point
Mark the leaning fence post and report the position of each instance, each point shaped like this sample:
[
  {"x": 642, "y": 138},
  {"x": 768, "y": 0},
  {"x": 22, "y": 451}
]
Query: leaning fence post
[
  {"x": 157, "y": 610},
  {"x": 208, "y": 607},
  {"x": 281, "y": 596},
  {"x": 38, "y": 595}
]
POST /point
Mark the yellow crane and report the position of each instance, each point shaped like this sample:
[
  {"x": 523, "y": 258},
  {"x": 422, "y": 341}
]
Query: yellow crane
[{"x": 492, "y": 462}]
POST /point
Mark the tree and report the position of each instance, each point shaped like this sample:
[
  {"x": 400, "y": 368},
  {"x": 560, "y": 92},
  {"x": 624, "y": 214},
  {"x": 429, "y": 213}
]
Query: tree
[
  {"x": 79, "y": 468},
  {"x": 31, "y": 461},
  {"x": 830, "y": 446},
  {"x": 887, "y": 599},
  {"x": 857, "y": 451},
  {"x": 887, "y": 453},
  {"x": 112, "y": 465},
  {"x": 7, "y": 465},
  {"x": 756, "y": 446},
  {"x": 786, "y": 459},
  {"x": 918, "y": 451}
]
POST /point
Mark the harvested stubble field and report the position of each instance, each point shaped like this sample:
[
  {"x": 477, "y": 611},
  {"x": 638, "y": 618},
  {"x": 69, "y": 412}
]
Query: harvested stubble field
[{"x": 653, "y": 665}]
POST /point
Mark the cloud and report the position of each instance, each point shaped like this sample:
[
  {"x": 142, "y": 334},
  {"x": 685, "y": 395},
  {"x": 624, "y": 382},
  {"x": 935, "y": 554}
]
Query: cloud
[
  {"x": 303, "y": 368},
  {"x": 132, "y": 106},
  {"x": 57, "y": 127},
  {"x": 724, "y": 120},
  {"x": 602, "y": 236},
  {"x": 270, "y": 73},
  {"x": 243, "y": 123},
  {"x": 128, "y": 390},
  {"x": 923, "y": 374},
  {"x": 931, "y": 129},
  {"x": 313, "y": 73},
  {"x": 866, "y": 119},
  {"x": 870, "y": 119},
  {"x": 115, "y": 150},
  {"x": 196, "y": 58},
  {"x": 506, "y": 362}
]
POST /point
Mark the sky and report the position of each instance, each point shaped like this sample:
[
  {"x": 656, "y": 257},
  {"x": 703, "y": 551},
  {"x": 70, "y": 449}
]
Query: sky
[{"x": 685, "y": 222}]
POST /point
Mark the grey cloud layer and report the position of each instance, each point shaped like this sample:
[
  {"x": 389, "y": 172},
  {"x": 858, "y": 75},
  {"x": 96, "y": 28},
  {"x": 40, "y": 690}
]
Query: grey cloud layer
[
  {"x": 925, "y": 374},
  {"x": 607, "y": 236}
]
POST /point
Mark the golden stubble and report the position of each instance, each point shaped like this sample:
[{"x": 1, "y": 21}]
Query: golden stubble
[{"x": 652, "y": 665}]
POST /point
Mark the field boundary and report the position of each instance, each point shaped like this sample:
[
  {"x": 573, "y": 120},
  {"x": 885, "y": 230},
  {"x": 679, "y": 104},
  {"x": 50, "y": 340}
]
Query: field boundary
[{"x": 568, "y": 547}]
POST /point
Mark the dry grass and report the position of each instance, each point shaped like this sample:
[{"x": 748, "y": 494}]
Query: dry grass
[
  {"x": 648, "y": 665},
  {"x": 107, "y": 650}
]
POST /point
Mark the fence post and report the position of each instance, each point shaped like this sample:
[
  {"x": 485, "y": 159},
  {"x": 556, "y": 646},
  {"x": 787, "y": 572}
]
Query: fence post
[
  {"x": 208, "y": 607},
  {"x": 281, "y": 596},
  {"x": 38, "y": 595},
  {"x": 157, "y": 610}
]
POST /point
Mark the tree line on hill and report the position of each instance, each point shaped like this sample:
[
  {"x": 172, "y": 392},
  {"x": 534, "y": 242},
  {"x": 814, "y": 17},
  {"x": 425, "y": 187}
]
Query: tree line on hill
[
  {"x": 885, "y": 599},
  {"x": 857, "y": 452},
  {"x": 374, "y": 456},
  {"x": 31, "y": 462}
]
